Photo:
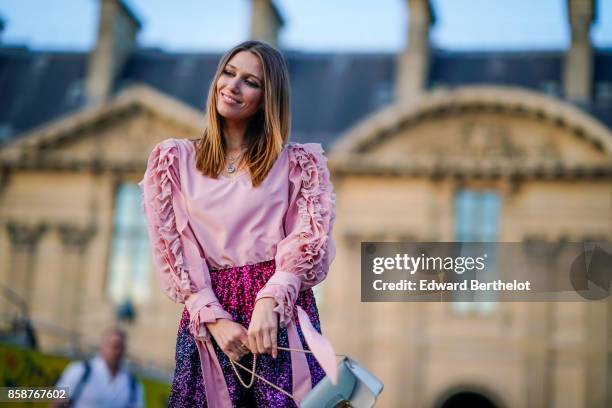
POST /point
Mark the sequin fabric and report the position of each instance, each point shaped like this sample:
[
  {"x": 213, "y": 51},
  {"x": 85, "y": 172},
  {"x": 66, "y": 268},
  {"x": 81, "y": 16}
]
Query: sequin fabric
[{"x": 236, "y": 288}]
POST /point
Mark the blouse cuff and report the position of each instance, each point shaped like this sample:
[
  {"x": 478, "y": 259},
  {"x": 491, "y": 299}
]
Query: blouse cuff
[
  {"x": 283, "y": 287},
  {"x": 203, "y": 307}
]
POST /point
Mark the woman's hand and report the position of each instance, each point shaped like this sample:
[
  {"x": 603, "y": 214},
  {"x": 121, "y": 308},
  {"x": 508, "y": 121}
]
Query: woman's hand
[
  {"x": 231, "y": 337},
  {"x": 263, "y": 329}
]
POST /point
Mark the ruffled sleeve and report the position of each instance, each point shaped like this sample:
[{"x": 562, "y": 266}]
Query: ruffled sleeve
[
  {"x": 303, "y": 257},
  {"x": 180, "y": 266}
]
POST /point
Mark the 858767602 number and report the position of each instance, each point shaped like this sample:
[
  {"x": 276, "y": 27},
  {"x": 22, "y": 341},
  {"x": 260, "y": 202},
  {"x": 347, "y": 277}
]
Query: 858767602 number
[{"x": 33, "y": 394}]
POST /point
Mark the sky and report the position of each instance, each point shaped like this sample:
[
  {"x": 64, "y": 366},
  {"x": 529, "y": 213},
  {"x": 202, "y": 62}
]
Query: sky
[{"x": 313, "y": 25}]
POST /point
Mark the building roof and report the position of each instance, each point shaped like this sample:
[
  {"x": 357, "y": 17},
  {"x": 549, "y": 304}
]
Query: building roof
[
  {"x": 39, "y": 86},
  {"x": 541, "y": 71}
]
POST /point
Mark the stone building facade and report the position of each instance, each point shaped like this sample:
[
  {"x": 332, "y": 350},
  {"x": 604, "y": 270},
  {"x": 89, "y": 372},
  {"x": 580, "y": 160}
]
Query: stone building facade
[{"x": 523, "y": 138}]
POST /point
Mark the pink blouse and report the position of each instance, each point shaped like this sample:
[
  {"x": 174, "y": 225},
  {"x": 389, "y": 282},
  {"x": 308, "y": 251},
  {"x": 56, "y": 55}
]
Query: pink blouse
[{"x": 197, "y": 223}]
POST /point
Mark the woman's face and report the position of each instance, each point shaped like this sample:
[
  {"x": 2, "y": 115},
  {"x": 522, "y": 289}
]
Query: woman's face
[{"x": 240, "y": 87}]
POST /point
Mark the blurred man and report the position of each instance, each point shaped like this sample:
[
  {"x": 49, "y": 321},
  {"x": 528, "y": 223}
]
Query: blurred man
[{"x": 103, "y": 381}]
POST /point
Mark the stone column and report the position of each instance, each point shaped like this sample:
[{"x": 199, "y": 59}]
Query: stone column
[
  {"x": 539, "y": 358},
  {"x": 117, "y": 29},
  {"x": 71, "y": 303},
  {"x": 413, "y": 63},
  {"x": 24, "y": 240},
  {"x": 598, "y": 354},
  {"x": 266, "y": 21},
  {"x": 578, "y": 64}
]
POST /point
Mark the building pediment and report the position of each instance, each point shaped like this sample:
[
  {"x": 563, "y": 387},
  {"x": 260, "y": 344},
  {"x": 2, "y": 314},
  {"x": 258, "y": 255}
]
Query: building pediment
[
  {"x": 477, "y": 130},
  {"x": 120, "y": 133}
]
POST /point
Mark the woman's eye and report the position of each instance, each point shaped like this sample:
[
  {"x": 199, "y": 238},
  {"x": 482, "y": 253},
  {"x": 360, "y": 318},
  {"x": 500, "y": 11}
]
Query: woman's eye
[{"x": 249, "y": 83}]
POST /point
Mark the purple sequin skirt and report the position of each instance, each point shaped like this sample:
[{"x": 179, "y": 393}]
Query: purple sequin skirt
[{"x": 236, "y": 289}]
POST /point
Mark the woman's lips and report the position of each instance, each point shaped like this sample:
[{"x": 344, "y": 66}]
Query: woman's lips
[{"x": 229, "y": 100}]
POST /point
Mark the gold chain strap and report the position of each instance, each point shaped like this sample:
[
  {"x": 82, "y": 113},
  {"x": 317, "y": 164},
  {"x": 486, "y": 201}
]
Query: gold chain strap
[
  {"x": 271, "y": 384},
  {"x": 250, "y": 384}
]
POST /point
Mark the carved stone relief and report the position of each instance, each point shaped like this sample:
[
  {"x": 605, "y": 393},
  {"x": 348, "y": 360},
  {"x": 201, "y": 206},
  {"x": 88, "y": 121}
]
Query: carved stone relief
[{"x": 24, "y": 239}]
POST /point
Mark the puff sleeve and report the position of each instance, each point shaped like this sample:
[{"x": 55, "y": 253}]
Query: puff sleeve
[
  {"x": 303, "y": 257},
  {"x": 180, "y": 267}
]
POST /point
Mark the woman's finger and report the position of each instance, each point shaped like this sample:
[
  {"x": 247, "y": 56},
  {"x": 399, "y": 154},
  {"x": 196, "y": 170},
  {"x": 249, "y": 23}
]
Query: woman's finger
[
  {"x": 237, "y": 349},
  {"x": 260, "y": 344},
  {"x": 253, "y": 343},
  {"x": 267, "y": 341},
  {"x": 244, "y": 350},
  {"x": 230, "y": 354},
  {"x": 274, "y": 335},
  {"x": 244, "y": 337},
  {"x": 244, "y": 343}
]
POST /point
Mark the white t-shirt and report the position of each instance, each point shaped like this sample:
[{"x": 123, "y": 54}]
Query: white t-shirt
[{"x": 100, "y": 390}]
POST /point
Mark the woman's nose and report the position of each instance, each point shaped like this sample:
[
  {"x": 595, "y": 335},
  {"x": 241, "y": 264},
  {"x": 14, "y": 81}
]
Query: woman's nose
[{"x": 234, "y": 85}]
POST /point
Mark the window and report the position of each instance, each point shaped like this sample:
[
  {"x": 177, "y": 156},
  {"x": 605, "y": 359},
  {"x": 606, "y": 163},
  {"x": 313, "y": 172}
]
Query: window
[
  {"x": 6, "y": 131},
  {"x": 477, "y": 220},
  {"x": 383, "y": 94},
  {"x": 603, "y": 92},
  {"x": 551, "y": 88},
  {"x": 130, "y": 260},
  {"x": 75, "y": 93}
]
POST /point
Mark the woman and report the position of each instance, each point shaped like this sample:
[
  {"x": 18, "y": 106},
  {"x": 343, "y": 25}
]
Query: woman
[{"x": 240, "y": 222}]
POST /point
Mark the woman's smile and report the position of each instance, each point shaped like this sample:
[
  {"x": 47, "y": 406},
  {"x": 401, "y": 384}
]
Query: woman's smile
[{"x": 228, "y": 99}]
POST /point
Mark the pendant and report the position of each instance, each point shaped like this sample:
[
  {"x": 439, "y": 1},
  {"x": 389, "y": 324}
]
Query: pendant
[{"x": 231, "y": 168}]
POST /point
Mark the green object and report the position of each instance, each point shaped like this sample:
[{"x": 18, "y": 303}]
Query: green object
[{"x": 22, "y": 367}]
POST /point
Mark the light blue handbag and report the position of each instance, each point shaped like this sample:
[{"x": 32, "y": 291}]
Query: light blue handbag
[{"x": 356, "y": 386}]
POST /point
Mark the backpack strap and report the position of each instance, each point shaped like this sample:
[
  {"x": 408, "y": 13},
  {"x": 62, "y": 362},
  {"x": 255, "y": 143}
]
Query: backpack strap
[
  {"x": 79, "y": 387},
  {"x": 133, "y": 388}
]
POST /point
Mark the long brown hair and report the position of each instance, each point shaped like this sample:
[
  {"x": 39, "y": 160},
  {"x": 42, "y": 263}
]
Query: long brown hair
[{"x": 268, "y": 128}]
